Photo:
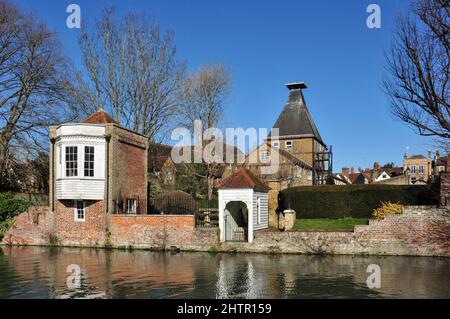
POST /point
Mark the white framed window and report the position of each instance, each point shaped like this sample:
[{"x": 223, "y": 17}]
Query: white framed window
[
  {"x": 258, "y": 210},
  {"x": 298, "y": 171},
  {"x": 264, "y": 155},
  {"x": 131, "y": 206},
  {"x": 276, "y": 144},
  {"x": 71, "y": 161},
  {"x": 89, "y": 161},
  {"x": 412, "y": 168},
  {"x": 80, "y": 211},
  {"x": 421, "y": 169},
  {"x": 288, "y": 144}
]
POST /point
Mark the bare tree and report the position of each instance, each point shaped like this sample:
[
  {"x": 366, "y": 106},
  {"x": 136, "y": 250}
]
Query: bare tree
[
  {"x": 32, "y": 82},
  {"x": 418, "y": 69},
  {"x": 132, "y": 72},
  {"x": 203, "y": 98}
]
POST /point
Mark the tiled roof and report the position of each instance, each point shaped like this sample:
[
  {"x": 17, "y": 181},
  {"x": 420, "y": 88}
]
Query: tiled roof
[
  {"x": 419, "y": 156},
  {"x": 157, "y": 156},
  {"x": 295, "y": 119},
  {"x": 243, "y": 178},
  {"x": 100, "y": 117}
]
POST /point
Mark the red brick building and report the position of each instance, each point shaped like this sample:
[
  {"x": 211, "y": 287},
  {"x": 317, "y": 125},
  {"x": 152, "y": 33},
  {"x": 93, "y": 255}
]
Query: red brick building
[{"x": 96, "y": 168}]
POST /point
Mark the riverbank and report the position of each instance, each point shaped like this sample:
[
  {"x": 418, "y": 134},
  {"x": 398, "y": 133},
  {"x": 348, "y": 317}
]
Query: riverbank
[{"x": 419, "y": 231}]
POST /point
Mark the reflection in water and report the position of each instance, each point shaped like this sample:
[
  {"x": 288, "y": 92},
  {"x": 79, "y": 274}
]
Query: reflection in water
[{"x": 34, "y": 272}]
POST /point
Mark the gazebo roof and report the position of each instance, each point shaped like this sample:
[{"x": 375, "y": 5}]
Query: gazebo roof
[
  {"x": 99, "y": 117},
  {"x": 243, "y": 179}
]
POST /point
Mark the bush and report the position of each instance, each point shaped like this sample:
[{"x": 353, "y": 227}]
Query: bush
[
  {"x": 358, "y": 201},
  {"x": 387, "y": 208},
  {"x": 10, "y": 206},
  {"x": 174, "y": 203}
]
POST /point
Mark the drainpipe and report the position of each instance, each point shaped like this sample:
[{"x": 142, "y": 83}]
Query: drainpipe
[
  {"x": 52, "y": 169},
  {"x": 108, "y": 138}
]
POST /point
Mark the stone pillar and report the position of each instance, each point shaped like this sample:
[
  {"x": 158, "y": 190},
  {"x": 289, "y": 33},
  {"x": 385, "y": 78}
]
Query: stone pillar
[
  {"x": 286, "y": 220},
  {"x": 289, "y": 219}
]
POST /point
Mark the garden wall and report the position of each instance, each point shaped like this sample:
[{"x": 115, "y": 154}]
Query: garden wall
[
  {"x": 337, "y": 201},
  {"x": 160, "y": 232}
]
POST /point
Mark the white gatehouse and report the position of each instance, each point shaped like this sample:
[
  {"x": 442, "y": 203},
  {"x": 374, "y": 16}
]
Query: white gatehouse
[{"x": 243, "y": 206}]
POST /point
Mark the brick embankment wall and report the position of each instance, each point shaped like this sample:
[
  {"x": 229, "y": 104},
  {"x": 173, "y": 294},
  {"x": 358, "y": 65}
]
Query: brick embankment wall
[
  {"x": 29, "y": 228},
  {"x": 419, "y": 231},
  {"x": 160, "y": 232}
]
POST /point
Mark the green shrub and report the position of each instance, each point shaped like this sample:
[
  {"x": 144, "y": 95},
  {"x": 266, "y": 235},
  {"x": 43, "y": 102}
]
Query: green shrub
[
  {"x": 358, "y": 201},
  {"x": 10, "y": 206}
]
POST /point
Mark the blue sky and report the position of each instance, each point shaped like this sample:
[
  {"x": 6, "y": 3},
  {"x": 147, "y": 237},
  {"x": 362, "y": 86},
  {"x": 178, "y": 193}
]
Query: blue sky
[{"x": 269, "y": 43}]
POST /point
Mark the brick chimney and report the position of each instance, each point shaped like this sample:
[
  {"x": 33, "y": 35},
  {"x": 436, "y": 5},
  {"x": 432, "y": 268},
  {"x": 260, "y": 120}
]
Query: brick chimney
[
  {"x": 376, "y": 165},
  {"x": 345, "y": 171},
  {"x": 360, "y": 169},
  {"x": 352, "y": 170},
  {"x": 367, "y": 170}
]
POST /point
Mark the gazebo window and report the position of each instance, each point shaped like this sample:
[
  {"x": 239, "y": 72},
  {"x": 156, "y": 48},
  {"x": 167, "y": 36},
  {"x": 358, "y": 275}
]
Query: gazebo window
[
  {"x": 71, "y": 161},
  {"x": 89, "y": 161}
]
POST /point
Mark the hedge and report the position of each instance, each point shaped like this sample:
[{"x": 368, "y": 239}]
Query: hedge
[{"x": 358, "y": 201}]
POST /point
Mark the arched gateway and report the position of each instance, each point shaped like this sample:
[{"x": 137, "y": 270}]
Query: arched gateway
[{"x": 243, "y": 206}]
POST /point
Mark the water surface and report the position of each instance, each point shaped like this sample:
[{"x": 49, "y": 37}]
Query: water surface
[{"x": 36, "y": 272}]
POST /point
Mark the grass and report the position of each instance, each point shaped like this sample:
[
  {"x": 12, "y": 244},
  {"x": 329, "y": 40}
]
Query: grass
[{"x": 326, "y": 224}]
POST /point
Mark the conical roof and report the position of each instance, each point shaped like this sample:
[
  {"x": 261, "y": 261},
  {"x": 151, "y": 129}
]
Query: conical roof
[{"x": 295, "y": 119}]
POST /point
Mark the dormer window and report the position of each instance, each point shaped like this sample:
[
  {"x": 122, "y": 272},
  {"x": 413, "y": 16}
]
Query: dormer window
[
  {"x": 264, "y": 155},
  {"x": 288, "y": 144},
  {"x": 89, "y": 161},
  {"x": 71, "y": 161},
  {"x": 276, "y": 144}
]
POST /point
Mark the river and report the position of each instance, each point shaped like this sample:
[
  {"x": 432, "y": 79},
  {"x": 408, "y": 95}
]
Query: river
[{"x": 37, "y": 272}]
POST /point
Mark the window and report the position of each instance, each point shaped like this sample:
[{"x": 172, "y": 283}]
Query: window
[
  {"x": 288, "y": 144},
  {"x": 421, "y": 169},
  {"x": 298, "y": 171},
  {"x": 264, "y": 155},
  {"x": 413, "y": 180},
  {"x": 71, "y": 161},
  {"x": 89, "y": 161},
  {"x": 80, "y": 211},
  {"x": 276, "y": 144},
  {"x": 309, "y": 175},
  {"x": 131, "y": 206},
  {"x": 258, "y": 210},
  {"x": 412, "y": 169},
  {"x": 421, "y": 179}
]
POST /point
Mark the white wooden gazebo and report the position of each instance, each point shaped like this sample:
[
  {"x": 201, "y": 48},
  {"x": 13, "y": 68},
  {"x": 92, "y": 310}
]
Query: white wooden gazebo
[{"x": 243, "y": 206}]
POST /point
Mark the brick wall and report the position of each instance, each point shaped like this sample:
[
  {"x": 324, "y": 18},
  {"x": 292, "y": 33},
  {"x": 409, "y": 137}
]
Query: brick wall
[
  {"x": 69, "y": 232},
  {"x": 445, "y": 188},
  {"x": 160, "y": 232},
  {"x": 128, "y": 168},
  {"x": 29, "y": 228},
  {"x": 419, "y": 231}
]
